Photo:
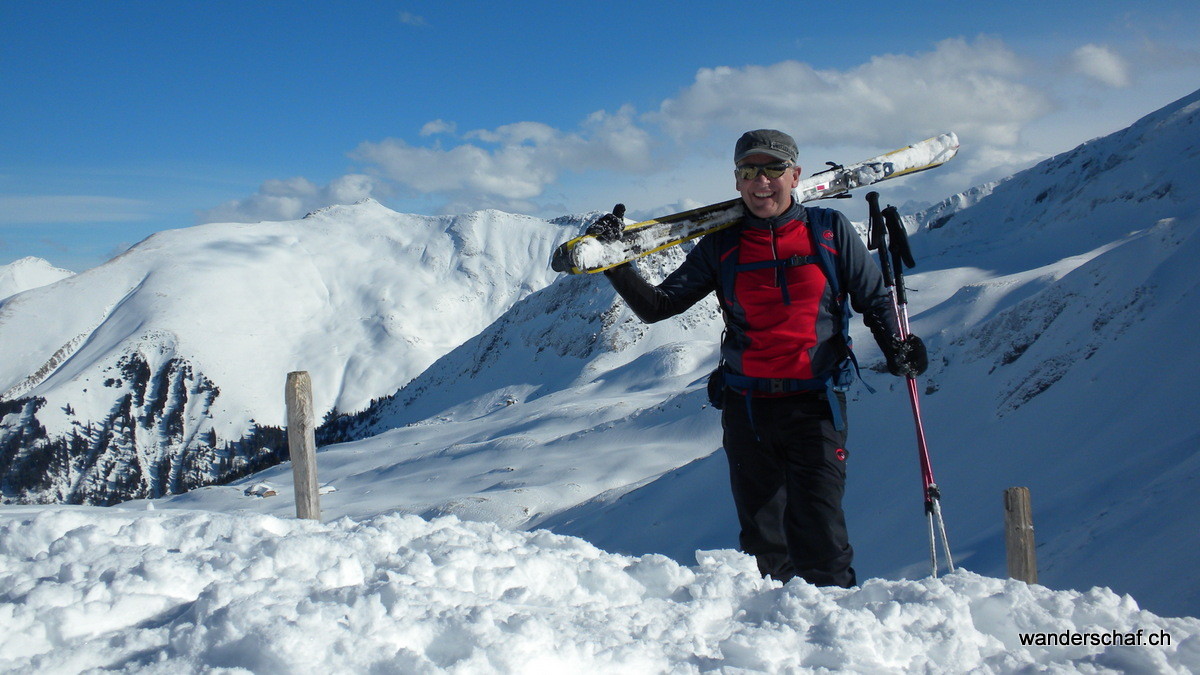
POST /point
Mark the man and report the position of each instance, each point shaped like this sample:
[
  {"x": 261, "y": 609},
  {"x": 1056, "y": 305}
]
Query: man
[{"x": 785, "y": 355}]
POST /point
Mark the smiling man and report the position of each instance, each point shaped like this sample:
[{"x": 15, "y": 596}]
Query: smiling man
[
  {"x": 766, "y": 172},
  {"x": 783, "y": 277}
]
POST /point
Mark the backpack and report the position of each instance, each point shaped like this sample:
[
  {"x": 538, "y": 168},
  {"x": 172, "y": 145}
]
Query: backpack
[{"x": 820, "y": 227}]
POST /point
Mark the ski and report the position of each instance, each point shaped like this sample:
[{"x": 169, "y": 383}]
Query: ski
[{"x": 586, "y": 254}]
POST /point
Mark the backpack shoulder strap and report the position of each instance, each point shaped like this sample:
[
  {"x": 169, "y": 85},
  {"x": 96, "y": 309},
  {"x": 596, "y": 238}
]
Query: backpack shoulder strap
[
  {"x": 825, "y": 246},
  {"x": 727, "y": 252}
]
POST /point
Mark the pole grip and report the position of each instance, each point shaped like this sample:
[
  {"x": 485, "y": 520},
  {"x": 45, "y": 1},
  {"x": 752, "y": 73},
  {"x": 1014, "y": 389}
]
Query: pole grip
[
  {"x": 878, "y": 237},
  {"x": 898, "y": 247},
  {"x": 877, "y": 240},
  {"x": 898, "y": 237}
]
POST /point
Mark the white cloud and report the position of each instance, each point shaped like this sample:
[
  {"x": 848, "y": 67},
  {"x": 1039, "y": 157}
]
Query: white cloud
[
  {"x": 291, "y": 199},
  {"x": 1101, "y": 64},
  {"x": 514, "y": 162},
  {"x": 972, "y": 88},
  {"x": 980, "y": 89},
  {"x": 438, "y": 126}
]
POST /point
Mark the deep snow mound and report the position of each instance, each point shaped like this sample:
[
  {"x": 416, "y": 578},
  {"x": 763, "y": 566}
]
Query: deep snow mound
[{"x": 168, "y": 591}]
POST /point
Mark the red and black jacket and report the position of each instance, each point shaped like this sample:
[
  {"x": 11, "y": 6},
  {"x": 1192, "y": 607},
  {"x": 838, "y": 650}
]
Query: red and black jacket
[{"x": 784, "y": 319}]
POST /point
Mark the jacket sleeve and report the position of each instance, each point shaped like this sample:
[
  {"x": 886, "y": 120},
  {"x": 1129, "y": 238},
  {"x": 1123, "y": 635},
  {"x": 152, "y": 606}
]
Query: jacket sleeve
[
  {"x": 687, "y": 285},
  {"x": 864, "y": 284}
]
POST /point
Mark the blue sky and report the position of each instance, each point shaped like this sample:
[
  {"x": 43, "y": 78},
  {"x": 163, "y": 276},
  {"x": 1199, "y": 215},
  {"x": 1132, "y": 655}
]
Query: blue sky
[{"x": 120, "y": 119}]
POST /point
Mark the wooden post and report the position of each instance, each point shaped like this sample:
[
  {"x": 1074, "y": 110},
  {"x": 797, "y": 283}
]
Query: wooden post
[
  {"x": 1018, "y": 535},
  {"x": 302, "y": 444}
]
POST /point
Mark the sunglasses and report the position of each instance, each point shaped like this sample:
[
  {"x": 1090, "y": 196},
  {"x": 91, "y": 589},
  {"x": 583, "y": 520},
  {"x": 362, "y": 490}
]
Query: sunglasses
[{"x": 751, "y": 171}]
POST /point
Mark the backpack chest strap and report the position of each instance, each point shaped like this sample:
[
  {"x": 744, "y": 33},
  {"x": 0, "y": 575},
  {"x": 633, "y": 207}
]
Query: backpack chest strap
[
  {"x": 794, "y": 261},
  {"x": 780, "y": 266}
]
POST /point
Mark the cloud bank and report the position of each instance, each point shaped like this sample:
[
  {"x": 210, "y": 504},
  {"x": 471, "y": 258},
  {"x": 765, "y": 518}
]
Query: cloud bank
[
  {"x": 514, "y": 163},
  {"x": 973, "y": 88},
  {"x": 978, "y": 88}
]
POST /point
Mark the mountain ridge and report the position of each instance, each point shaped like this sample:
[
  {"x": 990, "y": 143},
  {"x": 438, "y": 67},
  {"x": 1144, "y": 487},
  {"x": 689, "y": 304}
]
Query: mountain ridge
[{"x": 361, "y": 296}]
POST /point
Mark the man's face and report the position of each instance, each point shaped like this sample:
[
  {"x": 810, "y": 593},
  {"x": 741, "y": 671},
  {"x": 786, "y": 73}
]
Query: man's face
[{"x": 767, "y": 197}]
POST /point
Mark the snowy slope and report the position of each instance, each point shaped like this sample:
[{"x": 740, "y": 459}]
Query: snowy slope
[
  {"x": 27, "y": 273},
  {"x": 1077, "y": 345},
  {"x": 1064, "y": 360},
  {"x": 1060, "y": 307},
  {"x": 1061, "y": 310},
  {"x": 565, "y": 399},
  {"x": 89, "y": 590},
  {"x": 143, "y": 376}
]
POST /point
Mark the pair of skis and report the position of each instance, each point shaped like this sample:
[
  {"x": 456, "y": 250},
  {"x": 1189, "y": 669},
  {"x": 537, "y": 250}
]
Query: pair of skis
[
  {"x": 888, "y": 236},
  {"x": 587, "y": 254}
]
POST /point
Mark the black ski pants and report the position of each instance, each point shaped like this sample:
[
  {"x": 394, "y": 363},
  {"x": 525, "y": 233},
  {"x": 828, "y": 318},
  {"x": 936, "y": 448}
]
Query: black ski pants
[{"x": 787, "y": 469}]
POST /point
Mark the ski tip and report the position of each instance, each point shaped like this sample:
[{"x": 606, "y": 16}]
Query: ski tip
[
  {"x": 947, "y": 147},
  {"x": 951, "y": 148}
]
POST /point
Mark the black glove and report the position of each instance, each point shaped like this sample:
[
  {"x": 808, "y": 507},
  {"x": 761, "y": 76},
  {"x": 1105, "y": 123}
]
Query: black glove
[
  {"x": 609, "y": 226},
  {"x": 907, "y": 358}
]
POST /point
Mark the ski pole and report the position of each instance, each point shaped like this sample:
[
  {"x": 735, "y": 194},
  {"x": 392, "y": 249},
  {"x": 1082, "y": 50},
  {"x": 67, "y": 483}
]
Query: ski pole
[
  {"x": 901, "y": 258},
  {"x": 887, "y": 235}
]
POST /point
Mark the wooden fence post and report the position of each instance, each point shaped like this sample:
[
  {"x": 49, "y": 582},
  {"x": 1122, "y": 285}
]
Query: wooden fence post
[
  {"x": 302, "y": 444},
  {"x": 1018, "y": 535}
]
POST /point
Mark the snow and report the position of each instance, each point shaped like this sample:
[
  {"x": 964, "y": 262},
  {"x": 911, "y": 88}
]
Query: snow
[
  {"x": 362, "y": 297},
  {"x": 28, "y": 273},
  {"x": 590, "y": 253},
  {"x": 550, "y": 493},
  {"x": 168, "y": 361},
  {"x": 171, "y": 591},
  {"x": 937, "y": 150}
]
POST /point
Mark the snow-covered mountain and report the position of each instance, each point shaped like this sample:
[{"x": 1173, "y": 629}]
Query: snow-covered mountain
[
  {"x": 163, "y": 369},
  {"x": 26, "y": 273},
  {"x": 566, "y": 399},
  {"x": 1061, "y": 317},
  {"x": 1060, "y": 308}
]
